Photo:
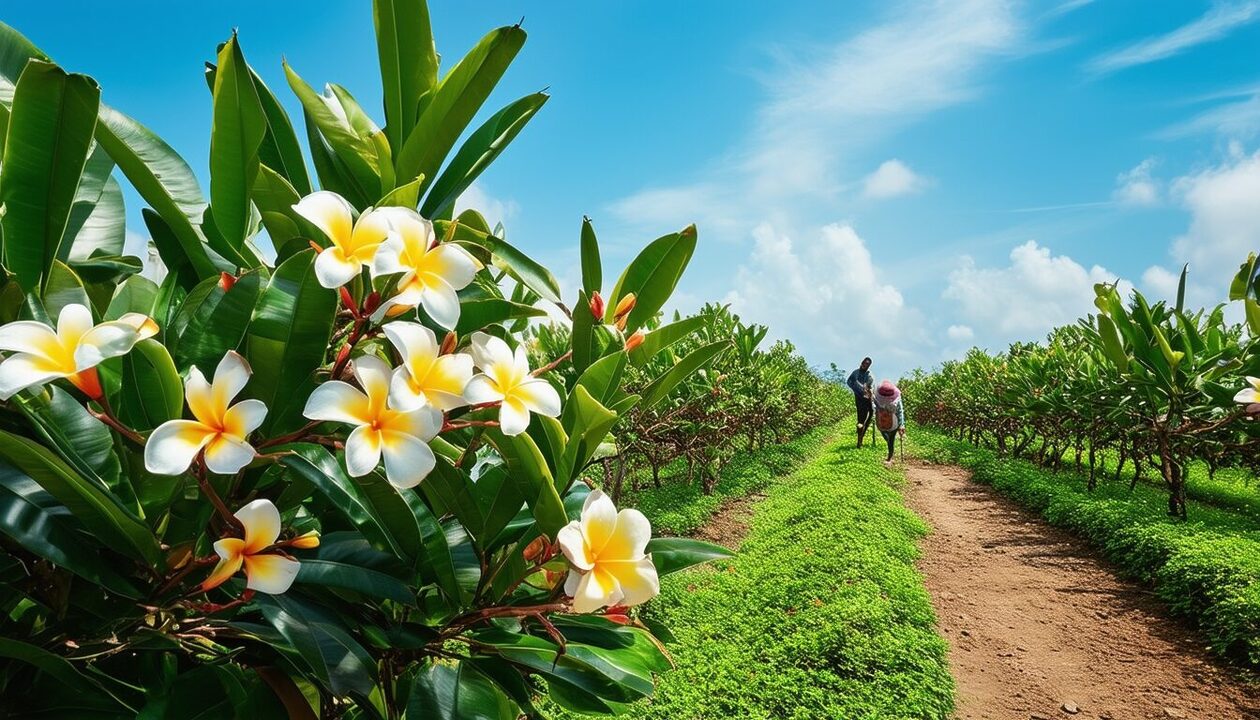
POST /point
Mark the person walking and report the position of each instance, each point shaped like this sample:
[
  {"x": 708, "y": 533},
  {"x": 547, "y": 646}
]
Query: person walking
[
  {"x": 890, "y": 416},
  {"x": 862, "y": 385}
]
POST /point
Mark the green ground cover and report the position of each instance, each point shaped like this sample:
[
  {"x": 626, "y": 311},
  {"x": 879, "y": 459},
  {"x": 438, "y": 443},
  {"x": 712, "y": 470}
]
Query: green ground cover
[
  {"x": 820, "y": 615},
  {"x": 1206, "y": 568}
]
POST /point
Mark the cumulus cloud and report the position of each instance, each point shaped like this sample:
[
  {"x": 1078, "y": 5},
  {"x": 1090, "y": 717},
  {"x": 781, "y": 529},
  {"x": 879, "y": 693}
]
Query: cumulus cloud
[
  {"x": 892, "y": 178},
  {"x": 1215, "y": 24},
  {"x": 1024, "y": 300},
  {"x": 960, "y": 333},
  {"x": 830, "y": 294},
  {"x": 1137, "y": 187},
  {"x": 494, "y": 209}
]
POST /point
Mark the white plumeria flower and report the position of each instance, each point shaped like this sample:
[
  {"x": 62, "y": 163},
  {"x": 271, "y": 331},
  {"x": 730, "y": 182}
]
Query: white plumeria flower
[
  {"x": 265, "y": 571},
  {"x": 41, "y": 354},
  {"x": 354, "y": 243},
  {"x": 1250, "y": 396},
  {"x": 505, "y": 379},
  {"x": 426, "y": 377},
  {"x": 432, "y": 272},
  {"x": 220, "y": 427},
  {"x": 607, "y": 551},
  {"x": 402, "y": 436}
]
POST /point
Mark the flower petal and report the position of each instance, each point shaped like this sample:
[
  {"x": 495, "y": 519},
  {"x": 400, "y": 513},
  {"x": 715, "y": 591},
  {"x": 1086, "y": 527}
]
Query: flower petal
[
  {"x": 415, "y": 343},
  {"x": 223, "y": 571},
  {"x": 73, "y": 323},
  {"x": 21, "y": 371},
  {"x": 373, "y": 375},
  {"x": 481, "y": 389},
  {"x": 441, "y": 302},
  {"x": 408, "y": 459},
  {"x": 630, "y": 537},
  {"x": 227, "y": 455},
  {"x": 107, "y": 340},
  {"x": 144, "y": 325},
  {"x": 370, "y": 230},
  {"x": 599, "y": 521},
  {"x": 595, "y": 590},
  {"x": 363, "y": 451},
  {"x": 637, "y": 580},
  {"x": 423, "y": 423},
  {"x": 388, "y": 258},
  {"x": 329, "y": 212},
  {"x": 230, "y": 378},
  {"x": 244, "y": 418},
  {"x": 337, "y": 401},
  {"x": 262, "y": 524},
  {"x": 403, "y": 395},
  {"x": 488, "y": 350},
  {"x": 513, "y": 417},
  {"x": 573, "y": 544},
  {"x": 333, "y": 269},
  {"x": 1246, "y": 395},
  {"x": 539, "y": 396},
  {"x": 271, "y": 574},
  {"x": 173, "y": 446},
  {"x": 452, "y": 263},
  {"x": 28, "y": 336}
]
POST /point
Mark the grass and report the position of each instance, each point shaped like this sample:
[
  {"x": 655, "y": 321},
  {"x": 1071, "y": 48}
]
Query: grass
[
  {"x": 1207, "y": 568},
  {"x": 679, "y": 507},
  {"x": 820, "y": 615}
]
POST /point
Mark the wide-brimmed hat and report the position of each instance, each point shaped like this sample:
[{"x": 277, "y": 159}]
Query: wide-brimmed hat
[{"x": 888, "y": 391}]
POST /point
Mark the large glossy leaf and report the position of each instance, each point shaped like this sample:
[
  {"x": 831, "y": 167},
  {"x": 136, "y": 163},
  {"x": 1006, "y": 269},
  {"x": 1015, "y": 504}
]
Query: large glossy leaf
[
  {"x": 587, "y": 423},
  {"x": 97, "y": 223},
  {"x": 167, "y": 184},
  {"x": 80, "y": 439},
  {"x": 477, "y": 314},
  {"x": 592, "y": 272},
  {"x": 455, "y": 101},
  {"x": 211, "y": 321},
  {"x": 46, "y": 148},
  {"x": 652, "y": 276},
  {"x": 408, "y": 60},
  {"x": 528, "y": 469},
  {"x": 321, "y": 469},
  {"x": 663, "y": 337},
  {"x": 659, "y": 389},
  {"x": 44, "y": 527},
  {"x": 516, "y": 263},
  {"x": 63, "y": 287},
  {"x": 54, "y": 665},
  {"x": 280, "y": 149},
  {"x": 357, "y": 154},
  {"x": 97, "y": 509},
  {"x": 458, "y": 691},
  {"x": 372, "y": 583},
  {"x": 275, "y": 198},
  {"x": 239, "y": 125},
  {"x": 151, "y": 391},
  {"x": 477, "y": 152},
  {"x": 670, "y": 555},
  {"x": 324, "y": 644},
  {"x": 137, "y": 294},
  {"x": 287, "y": 339}
]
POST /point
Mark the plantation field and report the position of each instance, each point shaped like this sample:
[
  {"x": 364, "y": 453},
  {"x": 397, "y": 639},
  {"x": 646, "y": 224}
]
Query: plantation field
[{"x": 820, "y": 614}]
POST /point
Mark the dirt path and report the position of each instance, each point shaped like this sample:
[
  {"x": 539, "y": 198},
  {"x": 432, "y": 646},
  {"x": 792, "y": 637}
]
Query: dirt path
[{"x": 1039, "y": 627}]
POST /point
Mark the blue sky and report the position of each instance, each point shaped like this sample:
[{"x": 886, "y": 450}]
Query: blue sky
[{"x": 897, "y": 179}]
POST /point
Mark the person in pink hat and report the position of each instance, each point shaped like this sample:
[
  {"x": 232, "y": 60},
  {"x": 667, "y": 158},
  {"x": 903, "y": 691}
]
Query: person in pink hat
[{"x": 890, "y": 416}]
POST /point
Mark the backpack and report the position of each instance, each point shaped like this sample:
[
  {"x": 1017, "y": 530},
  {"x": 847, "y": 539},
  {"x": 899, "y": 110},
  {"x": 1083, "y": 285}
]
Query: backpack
[{"x": 885, "y": 418}]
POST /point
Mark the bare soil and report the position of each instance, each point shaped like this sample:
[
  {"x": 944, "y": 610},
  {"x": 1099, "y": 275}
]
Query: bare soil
[
  {"x": 728, "y": 526},
  {"x": 1040, "y": 627}
]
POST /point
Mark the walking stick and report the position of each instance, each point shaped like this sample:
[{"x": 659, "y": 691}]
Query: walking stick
[{"x": 902, "y": 443}]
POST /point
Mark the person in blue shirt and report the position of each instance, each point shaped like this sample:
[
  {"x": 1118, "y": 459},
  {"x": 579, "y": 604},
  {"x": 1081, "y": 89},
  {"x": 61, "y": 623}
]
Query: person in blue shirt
[{"x": 862, "y": 385}]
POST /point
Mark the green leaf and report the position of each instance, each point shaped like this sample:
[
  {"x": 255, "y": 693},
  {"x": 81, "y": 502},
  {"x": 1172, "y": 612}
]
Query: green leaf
[
  {"x": 477, "y": 314},
  {"x": 275, "y": 197},
  {"x": 586, "y": 346},
  {"x": 212, "y": 321},
  {"x": 1112, "y": 343},
  {"x": 151, "y": 391},
  {"x": 46, "y": 148},
  {"x": 1253, "y": 316},
  {"x": 664, "y": 337},
  {"x": 136, "y": 294},
  {"x": 652, "y": 276},
  {"x": 280, "y": 149},
  {"x": 603, "y": 378},
  {"x": 659, "y": 389},
  {"x": 458, "y": 691},
  {"x": 322, "y": 470},
  {"x": 478, "y": 151},
  {"x": 63, "y": 287},
  {"x": 55, "y": 666},
  {"x": 341, "y": 663},
  {"x": 670, "y": 555},
  {"x": 97, "y": 223},
  {"x": 97, "y": 509},
  {"x": 239, "y": 126},
  {"x": 82, "y": 441},
  {"x": 372, "y": 583},
  {"x": 356, "y": 153},
  {"x": 592, "y": 273},
  {"x": 287, "y": 339},
  {"x": 587, "y": 423},
  {"x": 455, "y": 101},
  {"x": 408, "y": 60},
  {"x": 168, "y": 185},
  {"x": 36, "y": 522},
  {"x": 520, "y": 266},
  {"x": 528, "y": 469}
]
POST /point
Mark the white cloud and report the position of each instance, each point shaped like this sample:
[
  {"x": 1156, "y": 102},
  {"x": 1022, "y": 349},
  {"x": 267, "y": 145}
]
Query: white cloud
[
  {"x": 1068, "y": 6},
  {"x": 1159, "y": 283},
  {"x": 892, "y": 178},
  {"x": 960, "y": 333},
  {"x": 828, "y": 294},
  {"x": 1238, "y": 119},
  {"x": 1024, "y": 300},
  {"x": 1137, "y": 187},
  {"x": 492, "y": 208},
  {"x": 1218, "y": 22}
]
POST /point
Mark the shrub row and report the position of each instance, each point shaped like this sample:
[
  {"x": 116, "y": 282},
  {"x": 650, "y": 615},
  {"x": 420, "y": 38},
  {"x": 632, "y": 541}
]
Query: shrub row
[{"x": 1206, "y": 569}]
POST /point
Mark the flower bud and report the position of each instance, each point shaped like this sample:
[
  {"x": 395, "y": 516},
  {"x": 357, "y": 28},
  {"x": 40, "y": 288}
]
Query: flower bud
[
  {"x": 624, "y": 306},
  {"x": 305, "y": 542},
  {"x": 372, "y": 302},
  {"x": 226, "y": 280},
  {"x": 537, "y": 550},
  {"x": 634, "y": 340},
  {"x": 448, "y": 343},
  {"x": 315, "y": 246},
  {"x": 597, "y": 306}
]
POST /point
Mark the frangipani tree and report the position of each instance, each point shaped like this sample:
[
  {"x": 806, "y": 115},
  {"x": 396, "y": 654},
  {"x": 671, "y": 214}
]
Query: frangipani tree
[{"x": 328, "y": 485}]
